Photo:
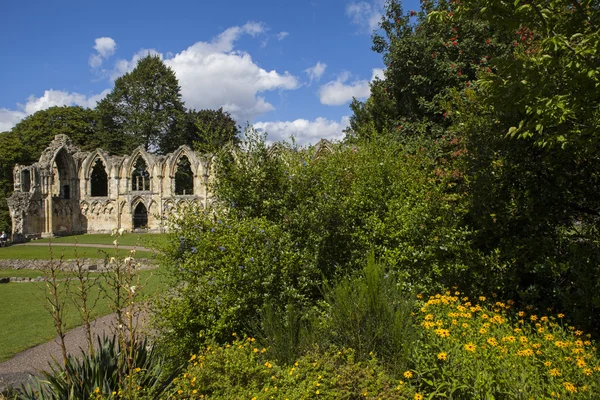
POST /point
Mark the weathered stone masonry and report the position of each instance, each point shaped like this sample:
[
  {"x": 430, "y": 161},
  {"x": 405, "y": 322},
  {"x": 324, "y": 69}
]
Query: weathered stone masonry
[{"x": 69, "y": 191}]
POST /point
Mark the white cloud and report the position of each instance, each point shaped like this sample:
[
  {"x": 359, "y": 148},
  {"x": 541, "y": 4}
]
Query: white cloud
[
  {"x": 282, "y": 35},
  {"x": 213, "y": 74},
  {"x": 123, "y": 66},
  {"x": 50, "y": 98},
  {"x": 9, "y": 118},
  {"x": 338, "y": 92},
  {"x": 315, "y": 72},
  {"x": 105, "y": 48},
  {"x": 366, "y": 15},
  {"x": 305, "y": 131}
]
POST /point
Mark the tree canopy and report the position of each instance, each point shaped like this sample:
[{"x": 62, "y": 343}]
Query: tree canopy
[{"x": 142, "y": 109}]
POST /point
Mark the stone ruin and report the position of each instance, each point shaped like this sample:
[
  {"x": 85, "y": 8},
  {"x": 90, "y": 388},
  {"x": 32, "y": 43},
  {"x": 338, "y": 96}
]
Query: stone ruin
[{"x": 69, "y": 191}]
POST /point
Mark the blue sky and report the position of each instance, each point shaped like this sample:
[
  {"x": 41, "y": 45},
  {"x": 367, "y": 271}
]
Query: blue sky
[{"x": 288, "y": 67}]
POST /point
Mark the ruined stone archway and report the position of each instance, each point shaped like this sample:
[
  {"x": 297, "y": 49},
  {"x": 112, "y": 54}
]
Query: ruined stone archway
[{"x": 140, "y": 216}]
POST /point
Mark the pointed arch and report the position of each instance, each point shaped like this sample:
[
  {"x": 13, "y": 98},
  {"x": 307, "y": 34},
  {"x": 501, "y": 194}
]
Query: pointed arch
[
  {"x": 63, "y": 174},
  {"x": 140, "y": 174},
  {"x": 98, "y": 179},
  {"x": 140, "y": 216},
  {"x": 184, "y": 176}
]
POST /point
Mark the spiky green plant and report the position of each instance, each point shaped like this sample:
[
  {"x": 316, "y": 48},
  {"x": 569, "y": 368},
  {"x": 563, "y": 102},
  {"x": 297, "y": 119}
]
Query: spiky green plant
[{"x": 87, "y": 375}]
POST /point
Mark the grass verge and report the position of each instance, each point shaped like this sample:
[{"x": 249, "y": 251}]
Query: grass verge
[
  {"x": 26, "y": 323},
  {"x": 148, "y": 240},
  {"x": 64, "y": 252}
]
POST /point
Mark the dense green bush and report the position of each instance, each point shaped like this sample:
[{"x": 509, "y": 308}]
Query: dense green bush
[
  {"x": 224, "y": 269},
  {"x": 286, "y": 221},
  {"x": 243, "y": 371}
]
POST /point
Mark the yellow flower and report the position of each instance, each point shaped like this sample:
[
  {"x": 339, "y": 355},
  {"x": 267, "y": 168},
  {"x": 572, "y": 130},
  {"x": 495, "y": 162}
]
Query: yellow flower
[
  {"x": 521, "y": 313},
  {"x": 429, "y": 317},
  {"x": 581, "y": 363},
  {"x": 482, "y": 331},
  {"x": 97, "y": 390},
  {"x": 481, "y": 298},
  {"x": 587, "y": 371},
  {"x": 408, "y": 374},
  {"x": 492, "y": 342},
  {"x": 418, "y": 396},
  {"x": 442, "y": 356},
  {"x": 525, "y": 353},
  {"x": 579, "y": 333},
  {"x": 533, "y": 318},
  {"x": 548, "y": 363},
  {"x": 523, "y": 339},
  {"x": 561, "y": 315},
  {"x": 442, "y": 332},
  {"x": 470, "y": 347},
  {"x": 554, "y": 372},
  {"x": 317, "y": 392},
  {"x": 570, "y": 387}
]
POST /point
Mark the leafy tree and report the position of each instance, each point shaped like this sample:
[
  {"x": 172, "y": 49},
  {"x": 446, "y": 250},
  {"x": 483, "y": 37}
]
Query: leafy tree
[
  {"x": 206, "y": 130},
  {"x": 425, "y": 59},
  {"x": 530, "y": 129},
  {"x": 142, "y": 109}
]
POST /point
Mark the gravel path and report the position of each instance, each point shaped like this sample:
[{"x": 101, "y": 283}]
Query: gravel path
[{"x": 17, "y": 370}]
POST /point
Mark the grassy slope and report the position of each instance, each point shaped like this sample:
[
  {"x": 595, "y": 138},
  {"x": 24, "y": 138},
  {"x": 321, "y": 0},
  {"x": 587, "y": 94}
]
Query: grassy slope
[
  {"x": 25, "y": 322},
  {"x": 64, "y": 252}
]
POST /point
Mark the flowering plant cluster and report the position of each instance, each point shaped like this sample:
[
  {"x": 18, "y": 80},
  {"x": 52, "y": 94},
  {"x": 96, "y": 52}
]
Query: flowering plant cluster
[
  {"x": 488, "y": 349},
  {"x": 242, "y": 370}
]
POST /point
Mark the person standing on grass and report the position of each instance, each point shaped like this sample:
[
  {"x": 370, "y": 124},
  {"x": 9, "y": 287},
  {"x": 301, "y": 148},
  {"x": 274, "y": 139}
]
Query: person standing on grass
[{"x": 3, "y": 238}]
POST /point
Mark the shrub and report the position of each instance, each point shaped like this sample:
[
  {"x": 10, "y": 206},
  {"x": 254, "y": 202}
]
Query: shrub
[
  {"x": 489, "y": 350},
  {"x": 371, "y": 313},
  {"x": 224, "y": 269},
  {"x": 103, "y": 374},
  {"x": 243, "y": 371}
]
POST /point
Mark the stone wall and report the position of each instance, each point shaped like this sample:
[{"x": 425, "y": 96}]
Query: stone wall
[{"x": 69, "y": 191}]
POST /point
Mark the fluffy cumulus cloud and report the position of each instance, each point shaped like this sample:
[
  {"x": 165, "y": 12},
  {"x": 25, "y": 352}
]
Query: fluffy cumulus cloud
[
  {"x": 213, "y": 74},
  {"x": 105, "y": 47},
  {"x": 340, "y": 91},
  {"x": 316, "y": 72},
  {"x": 366, "y": 15},
  {"x": 50, "y": 98},
  {"x": 304, "y": 131},
  {"x": 9, "y": 118}
]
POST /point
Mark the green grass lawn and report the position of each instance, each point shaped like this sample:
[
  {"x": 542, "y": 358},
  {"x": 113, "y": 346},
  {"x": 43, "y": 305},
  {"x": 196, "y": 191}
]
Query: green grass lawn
[
  {"x": 64, "y": 252},
  {"x": 26, "y": 323},
  {"x": 148, "y": 240},
  {"x": 22, "y": 273}
]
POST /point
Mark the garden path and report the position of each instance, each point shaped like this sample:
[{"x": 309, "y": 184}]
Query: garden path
[
  {"x": 102, "y": 246},
  {"x": 17, "y": 370}
]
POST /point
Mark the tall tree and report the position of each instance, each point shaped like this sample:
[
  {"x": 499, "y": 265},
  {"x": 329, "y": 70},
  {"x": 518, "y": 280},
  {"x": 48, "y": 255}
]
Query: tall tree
[
  {"x": 205, "y": 130},
  {"x": 425, "y": 60},
  {"x": 142, "y": 109}
]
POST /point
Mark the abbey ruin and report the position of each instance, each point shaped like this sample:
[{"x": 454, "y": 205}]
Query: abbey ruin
[{"x": 69, "y": 191}]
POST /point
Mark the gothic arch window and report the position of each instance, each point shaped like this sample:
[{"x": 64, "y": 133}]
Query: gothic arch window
[
  {"x": 62, "y": 175},
  {"x": 184, "y": 177},
  {"x": 140, "y": 177},
  {"x": 25, "y": 180},
  {"x": 140, "y": 216},
  {"x": 99, "y": 180}
]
